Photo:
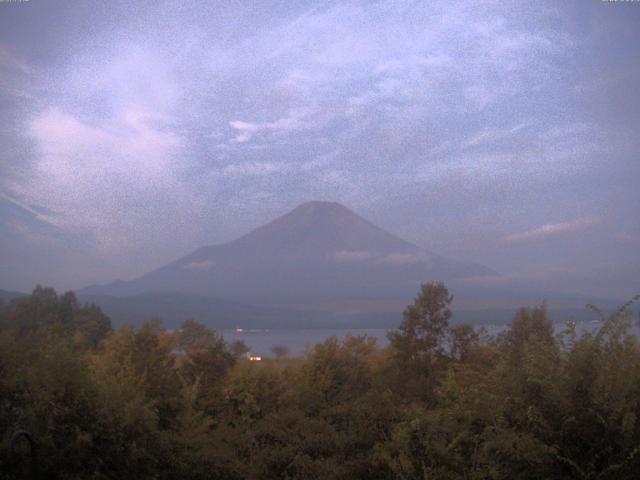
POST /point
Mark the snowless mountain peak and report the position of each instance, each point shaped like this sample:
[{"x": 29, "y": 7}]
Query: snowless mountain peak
[{"x": 319, "y": 251}]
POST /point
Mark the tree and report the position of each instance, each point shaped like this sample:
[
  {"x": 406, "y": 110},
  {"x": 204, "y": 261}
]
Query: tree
[
  {"x": 44, "y": 313},
  {"x": 463, "y": 339},
  {"x": 206, "y": 359},
  {"x": 192, "y": 334},
  {"x": 280, "y": 351},
  {"x": 417, "y": 347},
  {"x": 238, "y": 348},
  {"x": 528, "y": 327}
]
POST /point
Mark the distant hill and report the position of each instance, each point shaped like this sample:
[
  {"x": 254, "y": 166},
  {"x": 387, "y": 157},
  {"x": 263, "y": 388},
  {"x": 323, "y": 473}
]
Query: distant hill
[
  {"x": 318, "y": 252},
  {"x": 173, "y": 308},
  {"x": 320, "y": 265},
  {"x": 8, "y": 295}
]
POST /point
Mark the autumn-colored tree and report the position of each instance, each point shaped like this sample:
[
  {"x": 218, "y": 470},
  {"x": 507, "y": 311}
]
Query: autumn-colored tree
[
  {"x": 280, "y": 351},
  {"x": 417, "y": 347},
  {"x": 440, "y": 401}
]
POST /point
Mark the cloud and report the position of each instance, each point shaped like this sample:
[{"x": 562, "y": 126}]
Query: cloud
[
  {"x": 347, "y": 256},
  {"x": 37, "y": 213},
  {"x": 295, "y": 121},
  {"x": 397, "y": 258},
  {"x": 16, "y": 76},
  {"x": 589, "y": 280},
  {"x": 104, "y": 178},
  {"x": 626, "y": 238},
  {"x": 252, "y": 169},
  {"x": 10, "y": 62},
  {"x": 458, "y": 109},
  {"x": 203, "y": 265},
  {"x": 404, "y": 259},
  {"x": 492, "y": 135},
  {"x": 553, "y": 229}
]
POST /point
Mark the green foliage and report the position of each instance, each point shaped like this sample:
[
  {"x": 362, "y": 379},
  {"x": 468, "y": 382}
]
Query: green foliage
[
  {"x": 44, "y": 314},
  {"x": 417, "y": 348},
  {"x": 440, "y": 402},
  {"x": 205, "y": 359}
]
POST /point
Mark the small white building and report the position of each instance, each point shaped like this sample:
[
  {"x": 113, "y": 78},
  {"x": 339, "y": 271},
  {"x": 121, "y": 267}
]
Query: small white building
[{"x": 253, "y": 358}]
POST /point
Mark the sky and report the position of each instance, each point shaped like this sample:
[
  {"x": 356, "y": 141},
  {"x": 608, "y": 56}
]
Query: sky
[{"x": 506, "y": 133}]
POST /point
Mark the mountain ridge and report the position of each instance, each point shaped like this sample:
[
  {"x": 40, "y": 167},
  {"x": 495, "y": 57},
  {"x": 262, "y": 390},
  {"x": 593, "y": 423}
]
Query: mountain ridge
[{"x": 319, "y": 251}]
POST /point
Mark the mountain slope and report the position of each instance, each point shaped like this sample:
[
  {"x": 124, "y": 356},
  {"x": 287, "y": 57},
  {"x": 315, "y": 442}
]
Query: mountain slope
[
  {"x": 318, "y": 252},
  {"x": 8, "y": 295},
  {"x": 173, "y": 308}
]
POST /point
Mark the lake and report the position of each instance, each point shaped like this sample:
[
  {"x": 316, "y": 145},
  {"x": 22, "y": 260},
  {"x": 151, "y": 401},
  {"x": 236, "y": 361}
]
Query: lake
[
  {"x": 297, "y": 340},
  {"x": 260, "y": 342}
]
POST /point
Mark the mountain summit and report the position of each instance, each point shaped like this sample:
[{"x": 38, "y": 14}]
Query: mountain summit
[
  {"x": 318, "y": 229},
  {"x": 318, "y": 252}
]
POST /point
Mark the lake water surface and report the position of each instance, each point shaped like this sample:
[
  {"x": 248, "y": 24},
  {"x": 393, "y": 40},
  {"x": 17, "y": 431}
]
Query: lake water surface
[
  {"x": 261, "y": 341},
  {"x": 297, "y": 340}
]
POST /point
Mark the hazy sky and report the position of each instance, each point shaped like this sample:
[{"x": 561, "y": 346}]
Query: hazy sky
[{"x": 507, "y": 133}]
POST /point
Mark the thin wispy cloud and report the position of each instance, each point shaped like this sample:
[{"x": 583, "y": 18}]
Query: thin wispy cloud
[
  {"x": 100, "y": 179},
  {"x": 553, "y": 229},
  {"x": 334, "y": 66},
  {"x": 11, "y": 63},
  {"x": 627, "y": 238},
  {"x": 27, "y": 208},
  {"x": 468, "y": 116},
  {"x": 295, "y": 121}
]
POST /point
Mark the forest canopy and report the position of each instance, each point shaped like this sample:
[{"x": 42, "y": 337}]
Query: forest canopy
[{"x": 441, "y": 401}]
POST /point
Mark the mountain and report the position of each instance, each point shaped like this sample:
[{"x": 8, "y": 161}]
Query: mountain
[
  {"x": 8, "y": 295},
  {"x": 173, "y": 308},
  {"x": 320, "y": 252}
]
